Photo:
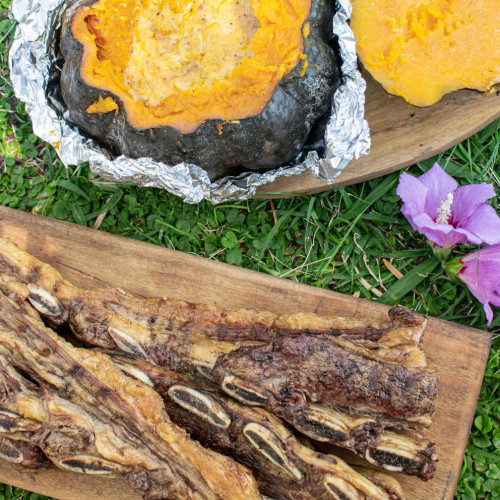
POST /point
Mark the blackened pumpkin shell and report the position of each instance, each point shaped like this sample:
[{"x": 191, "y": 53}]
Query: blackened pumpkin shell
[{"x": 222, "y": 147}]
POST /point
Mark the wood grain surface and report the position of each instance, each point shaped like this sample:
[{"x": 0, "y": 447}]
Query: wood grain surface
[
  {"x": 401, "y": 136},
  {"x": 92, "y": 259}
]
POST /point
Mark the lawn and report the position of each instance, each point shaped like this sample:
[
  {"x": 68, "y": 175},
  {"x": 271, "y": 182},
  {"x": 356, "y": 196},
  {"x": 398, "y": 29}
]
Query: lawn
[{"x": 352, "y": 240}]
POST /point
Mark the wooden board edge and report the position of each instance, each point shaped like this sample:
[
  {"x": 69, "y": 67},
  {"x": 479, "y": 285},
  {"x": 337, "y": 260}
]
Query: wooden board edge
[
  {"x": 451, "y": 484},
  {"x": 348, "y": 177},
  {"x": 294, "y": 286},
  {"x": 47, "y": 482},
  {"x": 32, "y": 482}
]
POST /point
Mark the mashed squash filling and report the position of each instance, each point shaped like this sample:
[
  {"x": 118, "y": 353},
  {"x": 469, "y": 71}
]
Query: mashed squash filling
[
  {"x": 179, "y": 63},
  {"x": 423, "y": 49}
]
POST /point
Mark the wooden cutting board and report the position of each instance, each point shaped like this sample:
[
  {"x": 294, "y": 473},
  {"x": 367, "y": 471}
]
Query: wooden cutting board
[
  {"x": 92, "y": 259},
  {"x": 401, "y": 136}
]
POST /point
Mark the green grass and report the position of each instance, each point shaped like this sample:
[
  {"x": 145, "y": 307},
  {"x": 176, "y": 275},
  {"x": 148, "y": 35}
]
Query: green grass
[{"x": 337, "y": 240}]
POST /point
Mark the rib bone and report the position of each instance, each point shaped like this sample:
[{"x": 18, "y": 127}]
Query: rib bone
[
  {"x": 200, "y": 404},
  {"x": 45, "y": 302},
  {"x": 269, "y": 445},
  {"x": 395, "y": 452},
  {"x": 327, "y": 426},
  {"x": 340, "y": 489},
  {"x": 243, "y": 393},
  {"x": 23, "y": 454},
  {"x": 10, "y": 423}
]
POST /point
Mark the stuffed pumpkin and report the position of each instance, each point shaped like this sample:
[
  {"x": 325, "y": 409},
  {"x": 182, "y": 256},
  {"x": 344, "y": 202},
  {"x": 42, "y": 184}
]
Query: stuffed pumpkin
[{"x": 228, "y": 85}]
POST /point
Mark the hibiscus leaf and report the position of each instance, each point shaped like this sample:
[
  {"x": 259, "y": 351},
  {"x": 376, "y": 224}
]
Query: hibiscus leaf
[{"x": 409, "y": 281}]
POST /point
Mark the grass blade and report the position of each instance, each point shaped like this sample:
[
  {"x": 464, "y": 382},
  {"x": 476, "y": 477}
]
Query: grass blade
[
  {"x": 362, "y": 204},
  {"x": 78, "y": 215},
  {"x": 408, "y": 281},
  {"x": 65, "y": 184}
]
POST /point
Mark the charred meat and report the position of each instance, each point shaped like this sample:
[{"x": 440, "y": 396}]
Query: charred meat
[
  {"x": 183, "y": 336},
  {"x": 290, "y": 373},
  {"x": 348, "y": 403}
]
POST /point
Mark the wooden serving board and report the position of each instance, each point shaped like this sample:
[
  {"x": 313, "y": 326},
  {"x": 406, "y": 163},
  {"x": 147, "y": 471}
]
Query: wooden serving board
[
  {"x": 91, "y": 258},
  {"x": 401, "y": 136}
]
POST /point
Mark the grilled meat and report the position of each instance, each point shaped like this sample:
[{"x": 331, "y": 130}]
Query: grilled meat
[
  {"x": 88, "y": 430},
  {"x": 190, "y": 338},
  {"x": 218, "y": 422},
  {"x": 94, "y": 419},
  {"x": 329, "y": 373},
  {"x": 283, "y": 467},
  {"x": 183, "y": 336}
]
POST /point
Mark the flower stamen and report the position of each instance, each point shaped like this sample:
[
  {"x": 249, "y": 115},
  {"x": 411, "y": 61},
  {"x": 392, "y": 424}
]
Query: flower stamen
[{"x": 444, "y": 211}]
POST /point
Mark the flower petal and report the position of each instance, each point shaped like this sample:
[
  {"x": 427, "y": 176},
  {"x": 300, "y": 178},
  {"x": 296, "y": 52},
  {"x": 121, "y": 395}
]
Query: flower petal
[
  {"x": 481, "y": 274},
  {"x": 489, "y": 253},
  {"x": 482, "y": 285},
  {"x": 443, "y": 235},
  {"x": 484, "y": 223},
  {"x": 434, "y": 232},
  {"x": 409, "y": 213},
  {"x": 466, "y": 199},
  {"x": 411, "y": 190},
  {"x": 482, "y": 277},
  {"x": 459, "y": 235},
  {"x": 439, "y": 184},
  {"x": 413, "y": 194},
  {"x": 489, "y": 313}
]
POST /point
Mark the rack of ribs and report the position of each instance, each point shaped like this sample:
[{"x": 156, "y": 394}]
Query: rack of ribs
[
  {"x": 104, "y": 423},
  {"x": 356, "y": 359},
  {"x": 87, "y": 412},
  {"x": 251, "y": 435}
]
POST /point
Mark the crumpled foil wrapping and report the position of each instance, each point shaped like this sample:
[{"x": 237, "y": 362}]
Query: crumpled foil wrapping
[{"x": 34, "y": 52}]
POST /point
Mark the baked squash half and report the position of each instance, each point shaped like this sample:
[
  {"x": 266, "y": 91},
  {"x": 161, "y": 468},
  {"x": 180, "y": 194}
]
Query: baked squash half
[
  {"x": 228, "y": 85},
  {"x": 423, "y": 49}
]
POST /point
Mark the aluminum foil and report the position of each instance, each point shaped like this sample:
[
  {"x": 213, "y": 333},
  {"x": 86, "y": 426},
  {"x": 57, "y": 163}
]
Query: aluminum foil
[{"x": 34, "y": 54}]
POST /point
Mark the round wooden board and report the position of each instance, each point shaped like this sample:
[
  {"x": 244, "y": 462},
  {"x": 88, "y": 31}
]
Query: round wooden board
[{"x": 401, "y": 136}]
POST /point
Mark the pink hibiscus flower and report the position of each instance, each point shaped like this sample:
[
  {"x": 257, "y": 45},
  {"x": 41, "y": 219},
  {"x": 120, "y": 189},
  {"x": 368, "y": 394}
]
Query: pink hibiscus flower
[{"x": 447, "y": 214}]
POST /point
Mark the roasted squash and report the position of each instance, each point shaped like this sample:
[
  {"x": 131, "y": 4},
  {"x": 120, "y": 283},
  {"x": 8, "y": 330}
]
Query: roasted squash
[
  {"x": 225, "y": 84},
  {"x": 423, "y": 49}
]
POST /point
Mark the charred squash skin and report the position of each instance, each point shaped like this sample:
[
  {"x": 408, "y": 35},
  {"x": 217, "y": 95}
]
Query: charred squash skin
[{"x": 269, "y": 139}]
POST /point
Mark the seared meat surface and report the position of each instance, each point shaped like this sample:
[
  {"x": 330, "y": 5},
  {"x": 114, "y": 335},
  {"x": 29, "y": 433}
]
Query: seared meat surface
[
  {"x": 329, "y": 374},
  {"x": 82, "y": 421},
  {"x": 186, "y": 337},
  {"x": 282, "y": 465},
  {"x": 219, "y": 422}
]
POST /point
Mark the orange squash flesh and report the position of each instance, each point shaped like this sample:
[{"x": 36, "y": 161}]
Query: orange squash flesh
[
  {"x": 180, "y": 62},
  {"x": 423, "y": 49},
  {"x": 103, "y": 106}
]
